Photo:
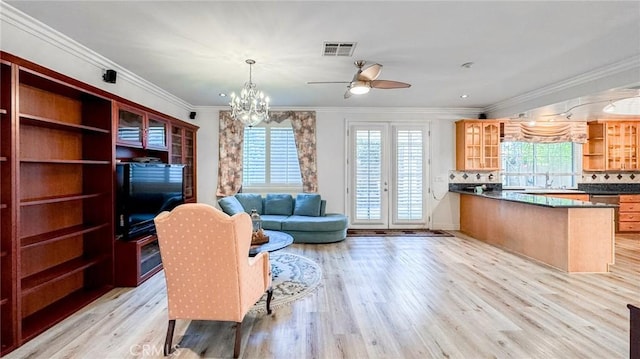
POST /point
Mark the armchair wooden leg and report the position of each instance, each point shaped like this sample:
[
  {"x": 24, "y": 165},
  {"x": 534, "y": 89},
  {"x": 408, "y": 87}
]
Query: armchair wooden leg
[
  {"x": 236, "y": 346},
  {"x": 269, "y": 297},
  {"x": 167, "y": 342}
]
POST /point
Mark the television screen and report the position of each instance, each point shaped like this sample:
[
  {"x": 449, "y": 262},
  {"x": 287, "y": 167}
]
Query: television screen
[{"x": 145, "y": 190}]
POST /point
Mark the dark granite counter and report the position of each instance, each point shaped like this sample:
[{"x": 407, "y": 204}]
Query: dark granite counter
[{"x": 537, "y": 199}]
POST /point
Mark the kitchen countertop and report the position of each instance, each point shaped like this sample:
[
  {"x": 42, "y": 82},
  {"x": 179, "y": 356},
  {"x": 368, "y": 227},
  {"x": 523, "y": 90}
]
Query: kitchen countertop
[{"x": 537, "y": 199}]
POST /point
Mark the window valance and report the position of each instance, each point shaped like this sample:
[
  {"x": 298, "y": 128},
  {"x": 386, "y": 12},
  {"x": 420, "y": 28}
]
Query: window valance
[{"x": 546, "y": 132}]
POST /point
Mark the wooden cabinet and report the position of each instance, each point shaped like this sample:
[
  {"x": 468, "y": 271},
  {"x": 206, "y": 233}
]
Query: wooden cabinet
[
  {"x": 8, "y": 250},
  {"x": 58, "y": 141},
  {"x": 477, "y": 145},
  {"x": 594, "y": 150},
  {"x": 137, "y": 128},
  {"x": 622, "y": 146},
  {"x": 612, "y": 146},
  {"x": 137, "y": 260},
  {"x": 629, "y": 213},
  {"x": 56, "y": 201},
  {"x": 183, "y": 144}
]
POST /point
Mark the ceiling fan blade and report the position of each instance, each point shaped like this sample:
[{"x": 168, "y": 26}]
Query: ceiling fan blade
[
  {"x": 327, "y": 82},
  {"x": 347, "y": 94},
  {"x": 387, "y": 84},
  {"x": 370, "y": 73}
]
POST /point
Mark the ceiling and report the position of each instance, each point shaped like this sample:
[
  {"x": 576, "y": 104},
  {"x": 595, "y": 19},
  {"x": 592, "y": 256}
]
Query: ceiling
[{"x": 196, "y": 50}]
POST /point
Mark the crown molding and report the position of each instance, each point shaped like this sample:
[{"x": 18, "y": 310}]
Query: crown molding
[
  {"x": 460, "y": 111},
  {"x": 28, "y": 24},
  {"x": 590, "y": 76}
]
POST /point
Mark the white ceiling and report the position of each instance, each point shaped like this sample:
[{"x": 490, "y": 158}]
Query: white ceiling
[{"x": 196, "y": 50}]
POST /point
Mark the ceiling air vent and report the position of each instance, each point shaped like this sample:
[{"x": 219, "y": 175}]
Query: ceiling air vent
[{"x": 338, "y": 48}]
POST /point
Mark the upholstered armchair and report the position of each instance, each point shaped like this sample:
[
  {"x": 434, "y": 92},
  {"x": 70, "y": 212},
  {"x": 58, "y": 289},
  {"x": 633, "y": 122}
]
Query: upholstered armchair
[{"x": 208, "y": 271}]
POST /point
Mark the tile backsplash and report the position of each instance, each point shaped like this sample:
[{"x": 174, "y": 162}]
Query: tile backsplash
[
  {"x": 474, "y": 177},
  {"x": 610, "y": 177}
]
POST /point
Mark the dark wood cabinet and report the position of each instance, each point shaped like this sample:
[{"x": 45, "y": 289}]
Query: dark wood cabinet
[
  {"x": 8, "y": 246},
  {"x": 183, "y": 144},
  {"x": 139, "y": 129},
  {"x": 56, "y": 200},
  {"x": 137, "y": 260},
  {"x": 59, "y": 141}
]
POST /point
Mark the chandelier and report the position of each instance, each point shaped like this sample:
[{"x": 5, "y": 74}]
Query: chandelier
[{"x": 250, "y": 107}]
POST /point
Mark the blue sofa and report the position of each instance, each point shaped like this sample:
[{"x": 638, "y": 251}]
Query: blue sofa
[{"x": 303, "y": 217}]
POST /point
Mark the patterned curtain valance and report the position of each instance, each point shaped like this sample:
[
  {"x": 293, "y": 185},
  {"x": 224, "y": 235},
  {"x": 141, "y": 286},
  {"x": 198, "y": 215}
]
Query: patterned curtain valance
[
  {"x": 545, "y": 132},
  {"x": 231, "y": 142}
]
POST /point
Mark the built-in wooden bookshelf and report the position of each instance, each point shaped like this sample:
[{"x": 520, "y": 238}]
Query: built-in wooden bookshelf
[{"x": 59, "y": 141}]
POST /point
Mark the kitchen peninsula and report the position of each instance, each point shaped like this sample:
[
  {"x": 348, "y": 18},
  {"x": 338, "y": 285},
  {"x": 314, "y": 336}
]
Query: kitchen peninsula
[{"x": 571, "y": 235}]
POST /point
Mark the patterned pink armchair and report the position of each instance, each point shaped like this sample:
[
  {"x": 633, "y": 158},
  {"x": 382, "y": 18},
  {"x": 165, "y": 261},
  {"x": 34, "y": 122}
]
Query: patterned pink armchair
[{"x": 208, "y": 271}]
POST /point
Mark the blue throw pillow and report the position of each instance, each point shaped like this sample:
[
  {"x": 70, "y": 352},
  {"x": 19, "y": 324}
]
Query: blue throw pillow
[
  {"x": 307, "y": 204},
  {"x": 250, "y": 201},
  {"x": 281, "y": 204},
  {"x": 230, "y": 205}
]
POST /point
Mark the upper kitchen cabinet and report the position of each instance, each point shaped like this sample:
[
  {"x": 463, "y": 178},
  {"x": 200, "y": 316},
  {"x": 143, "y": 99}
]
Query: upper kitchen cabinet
[
  {"x": 477, "y": 145},
  {"x": 622, "y": 146},
  {"x": 138, "y": 129},
  {"x": 612, "y": 146}
]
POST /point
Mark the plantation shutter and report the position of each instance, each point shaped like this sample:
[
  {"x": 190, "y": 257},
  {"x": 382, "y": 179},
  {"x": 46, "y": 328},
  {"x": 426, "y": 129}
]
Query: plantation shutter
[
  {"x": 409, "y": 168},
  {"x": 254, "y": 162},
  {"x": 284, "y": 165},
  {"x": 368, "y": 167},
  {"x": 270, "y": 157}
]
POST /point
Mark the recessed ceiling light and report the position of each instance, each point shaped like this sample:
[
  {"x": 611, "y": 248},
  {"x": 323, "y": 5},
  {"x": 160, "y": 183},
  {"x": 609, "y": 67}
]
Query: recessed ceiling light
[
  {"x": 467, "y": 65},
  {"x": 464, "y": 96},
  {"x": 222, "y": 94}
]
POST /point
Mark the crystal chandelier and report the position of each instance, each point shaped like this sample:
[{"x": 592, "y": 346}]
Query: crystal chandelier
[{"x": 251, "y": 107}]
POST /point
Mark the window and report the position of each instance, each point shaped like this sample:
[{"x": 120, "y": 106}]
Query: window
[
  {"x": 526, "y": 164},
  {"x": 270, "y": 158}
]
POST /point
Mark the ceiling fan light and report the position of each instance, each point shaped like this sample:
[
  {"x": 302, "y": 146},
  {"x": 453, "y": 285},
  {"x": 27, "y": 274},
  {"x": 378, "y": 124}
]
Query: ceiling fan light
[{"x": 359, "y": 87}]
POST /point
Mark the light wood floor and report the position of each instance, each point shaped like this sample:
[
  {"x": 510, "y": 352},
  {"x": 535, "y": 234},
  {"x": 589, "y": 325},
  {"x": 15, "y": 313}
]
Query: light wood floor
[{"x": 441, "y": 297}]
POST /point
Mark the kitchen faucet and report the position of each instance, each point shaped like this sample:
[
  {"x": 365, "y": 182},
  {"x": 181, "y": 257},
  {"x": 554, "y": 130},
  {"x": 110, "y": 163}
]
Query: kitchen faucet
[{"x": 547, "y": 181}]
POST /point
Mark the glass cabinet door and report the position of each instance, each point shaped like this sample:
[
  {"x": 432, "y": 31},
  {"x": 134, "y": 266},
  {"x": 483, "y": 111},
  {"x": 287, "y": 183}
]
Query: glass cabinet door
[
  {"x": 156, "y": 134},
  {"x": 491, "y": 146},
  {"x": 130, "y": 127},
  {"x": 189, "y": 162},
  {"x": 473, "y": 150}
]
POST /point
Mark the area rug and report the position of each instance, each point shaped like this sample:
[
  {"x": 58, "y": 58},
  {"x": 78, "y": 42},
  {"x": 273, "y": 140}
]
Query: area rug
[
  {"x": 292, "y": 277},
  {"x": 397, "y": 233}
]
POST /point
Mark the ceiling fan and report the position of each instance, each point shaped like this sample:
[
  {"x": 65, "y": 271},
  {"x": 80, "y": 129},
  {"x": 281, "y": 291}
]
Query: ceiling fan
[{"x": 364, "y": 80}]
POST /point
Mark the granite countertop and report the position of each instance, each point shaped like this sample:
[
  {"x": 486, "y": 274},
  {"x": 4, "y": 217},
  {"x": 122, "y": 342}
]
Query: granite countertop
[{"x": 537, "y": 199}]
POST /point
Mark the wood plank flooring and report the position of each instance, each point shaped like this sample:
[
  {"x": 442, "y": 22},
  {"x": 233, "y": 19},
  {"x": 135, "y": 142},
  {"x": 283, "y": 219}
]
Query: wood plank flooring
[{"x": 385, "y": 297}]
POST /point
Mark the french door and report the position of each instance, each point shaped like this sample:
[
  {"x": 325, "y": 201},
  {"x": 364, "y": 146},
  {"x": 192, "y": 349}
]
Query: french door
[{"x": 387, "y": 175}]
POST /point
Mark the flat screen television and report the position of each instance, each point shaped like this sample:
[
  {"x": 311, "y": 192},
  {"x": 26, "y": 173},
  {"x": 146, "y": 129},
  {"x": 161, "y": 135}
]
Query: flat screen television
[{"x": 143, "y": 191}]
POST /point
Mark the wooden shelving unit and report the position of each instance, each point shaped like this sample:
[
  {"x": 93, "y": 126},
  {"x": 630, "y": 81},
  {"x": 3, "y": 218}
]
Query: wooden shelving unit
[
  {"x": 8, "y": 247},
  {"x": 59, "y": 139},
  {"x": 57, "y": 201}
]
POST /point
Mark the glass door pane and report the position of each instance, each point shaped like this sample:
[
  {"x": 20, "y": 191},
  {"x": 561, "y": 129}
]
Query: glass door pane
[
  {"x": 369, "y": 186},
  {"x": 408, "y": 179},
  {"x": 130, "y": 125}
]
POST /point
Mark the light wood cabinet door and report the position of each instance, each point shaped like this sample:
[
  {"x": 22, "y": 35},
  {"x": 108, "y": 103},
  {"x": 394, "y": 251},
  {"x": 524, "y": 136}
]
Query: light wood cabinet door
[
  {"x": 622, "y": 146},
  {"x": 477, "y": 145}
]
